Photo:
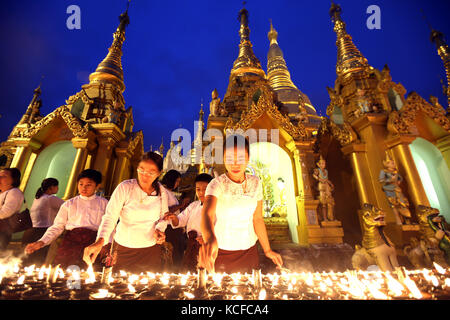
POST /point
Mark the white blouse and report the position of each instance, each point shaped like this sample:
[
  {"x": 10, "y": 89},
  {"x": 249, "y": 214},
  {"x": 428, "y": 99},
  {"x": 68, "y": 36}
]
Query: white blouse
[
  {"x": 11, "y": 201},
  {"x": 234, "y": 211},
  {"x": 172, "y": 200},
  {"x": 140, "y": 214},
  {"x": 191, "y": 217},
  {"x": 78, "y": 212},
  {"x": 44, "y": 210}
]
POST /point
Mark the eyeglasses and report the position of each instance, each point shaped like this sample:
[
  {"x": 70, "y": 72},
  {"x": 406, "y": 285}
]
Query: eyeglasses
[{"x": 147, "y": 173}]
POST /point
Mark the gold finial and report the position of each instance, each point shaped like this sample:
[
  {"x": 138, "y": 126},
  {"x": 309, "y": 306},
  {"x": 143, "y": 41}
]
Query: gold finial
[
  {"x": 110, "y": 69},
  {"x": 246, "y": 62},
  {"x": 161, "y": 147},
  {"x": 273, "y": 34},
  {"x": 201, "y": 113}
]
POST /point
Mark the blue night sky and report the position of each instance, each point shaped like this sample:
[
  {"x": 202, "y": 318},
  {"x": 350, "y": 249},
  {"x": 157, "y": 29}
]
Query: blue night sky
[{"x": 177, "y": 52}]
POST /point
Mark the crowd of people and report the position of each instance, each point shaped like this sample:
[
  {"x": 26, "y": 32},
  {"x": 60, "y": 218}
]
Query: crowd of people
[{"x": 143, "y": 221}]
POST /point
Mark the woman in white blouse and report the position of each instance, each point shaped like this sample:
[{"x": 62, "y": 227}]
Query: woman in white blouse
[
  {"x": 140, "y": 204},
  {"x": 11, "y": 201},
  {"x": 43, "y": 211},
  {"x": 232, "y": 216}
]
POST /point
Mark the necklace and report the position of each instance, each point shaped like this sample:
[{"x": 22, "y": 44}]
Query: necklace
[
  {"x": 243, "y": 183},
  {"x": 144, "y": 194}
]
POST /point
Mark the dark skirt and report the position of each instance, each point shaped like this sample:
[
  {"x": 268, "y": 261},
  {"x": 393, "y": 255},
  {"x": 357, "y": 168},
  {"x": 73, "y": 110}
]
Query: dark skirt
[
  {"x": 71, "y": 250},
  {"x": 137, "y": 260},
  {"x": 177, "y": 238},
  {"x": 190, "y": 259},
  {"x": 237, "y": 260},
  {"x": 37, "y": 257}
]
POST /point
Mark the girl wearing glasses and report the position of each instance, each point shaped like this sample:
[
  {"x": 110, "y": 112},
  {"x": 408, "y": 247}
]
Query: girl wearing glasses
[
  {"x": 232, "y": 216},
  {"x": 139, "y": 205}
]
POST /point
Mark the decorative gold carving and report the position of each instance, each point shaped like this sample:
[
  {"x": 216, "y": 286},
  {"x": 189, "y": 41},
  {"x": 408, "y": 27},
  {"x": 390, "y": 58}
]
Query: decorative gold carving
[
  {"x": 265, "y": 104},
  {"x": 135, "y": 141},
  {"x": 343, "y": 133},
  {"x": 63, "y": 112},
  {"x": 401, "y": 122}
]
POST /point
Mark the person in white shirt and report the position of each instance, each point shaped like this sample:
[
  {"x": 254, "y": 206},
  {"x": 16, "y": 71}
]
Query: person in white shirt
[
  {"x": 191, "y": 218},
  {"x": 140, "y": 204},
  {"x": 232, "y": 215},
  {"x": 80, "y": 217},
  {"x": 43, "y": 211},
  {"x": 11, "y": 201}
]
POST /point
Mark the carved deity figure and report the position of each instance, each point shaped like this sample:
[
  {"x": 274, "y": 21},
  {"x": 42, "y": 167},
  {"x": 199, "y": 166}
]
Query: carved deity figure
[
  {"x": 214, "y": 105},
  {"x": 325, "y": 187},
  {"x": 390, "y": 179}
]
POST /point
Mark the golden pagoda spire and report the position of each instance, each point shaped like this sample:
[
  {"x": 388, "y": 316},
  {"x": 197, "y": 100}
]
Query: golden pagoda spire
[
  {"x": 246, "y": 62},
  {"x": 349, "y": 60},
  {"x": 277, "y": 71},
  {"x": 201, "y": 113},
  {"x": 110, "y": 69},
  {"x": 33, "y": 111},
  {"x": 161, "y": 147},
  {"x": 273, "y": 34},
  {"x": 438, "y": 38}
]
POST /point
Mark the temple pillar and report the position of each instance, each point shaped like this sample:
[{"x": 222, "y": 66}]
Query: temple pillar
[
  {"x": 357, "y": 154},
  {"x": 302, "y": 231},
  {"x": 121, "y": 167},
  {"x": 401, "y": 234},
  {"x": 24, "y": 158},
  {"x": 25, "y": 148},
  {"x": 109, "y": 135},
  {"x": 82, "y": 146},
  {"x": 443, "y": 144},
  {"x": 406, "y": 165}
]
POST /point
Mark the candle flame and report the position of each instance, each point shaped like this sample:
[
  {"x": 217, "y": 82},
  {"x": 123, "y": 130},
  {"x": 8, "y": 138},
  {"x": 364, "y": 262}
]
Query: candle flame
[
  {"x": 131, "y": 288},
  {"x": 133, "y": 278},
  {"x": 262, "y": 294},
  {"x": 29, "y": 270},
  {"x": 91, "y": 274},
  {"x": 412, "y": 288},
  {"x": 447, "y": 283},
  {"x": 394, "y": 286},
  {"x": 439, "y": 268},
  {"x": 102, "y": 293},
  {"x": 189, "y": 295}
]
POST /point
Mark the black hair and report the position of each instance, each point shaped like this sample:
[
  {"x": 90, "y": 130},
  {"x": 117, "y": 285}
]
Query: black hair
[
  {"x": 203, "y": 177},
  {"x": 158, "y": 161},
  {"x": 45, "y": 185},
  {"x": 92, "y": 174},
  {"x": 15, "y": 176},
  {"x": 170, "y": 178},
  {"x": 235, "y": 140}
]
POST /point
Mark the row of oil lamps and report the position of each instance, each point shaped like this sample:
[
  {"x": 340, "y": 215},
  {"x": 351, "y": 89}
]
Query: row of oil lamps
[{"x": 31, "y": 283}]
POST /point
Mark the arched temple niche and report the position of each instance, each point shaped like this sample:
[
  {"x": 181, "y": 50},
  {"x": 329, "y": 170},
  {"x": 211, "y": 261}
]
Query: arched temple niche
[
  {"x": 276, "y": 174},
  {"x": 434, "y": 174},
  {"x": 55, "y": 161}
]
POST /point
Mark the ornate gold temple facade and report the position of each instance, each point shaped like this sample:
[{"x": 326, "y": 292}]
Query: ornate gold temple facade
[
  {"x": 369, "y": 119},
  {"x": 91, "y": 130}
]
